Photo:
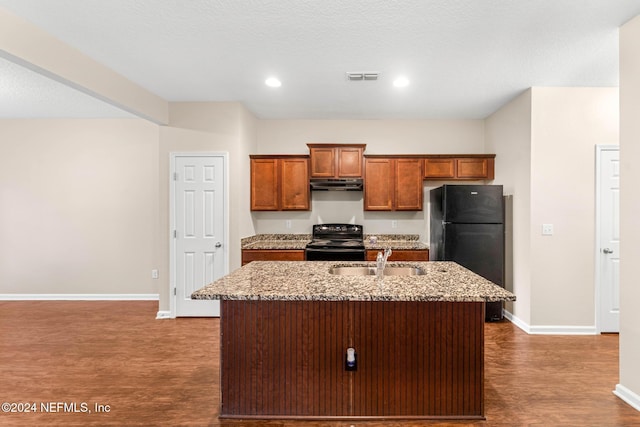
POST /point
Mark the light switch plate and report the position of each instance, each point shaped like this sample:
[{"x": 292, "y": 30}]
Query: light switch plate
[
  {"x": 394, "y": 223},
  {"x": 547, "y": 229}
]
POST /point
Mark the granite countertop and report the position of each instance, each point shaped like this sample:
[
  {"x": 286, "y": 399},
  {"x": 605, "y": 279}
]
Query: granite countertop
[
  {"x": 299, "y": 241},
  {"x": 308, "y": 281}
]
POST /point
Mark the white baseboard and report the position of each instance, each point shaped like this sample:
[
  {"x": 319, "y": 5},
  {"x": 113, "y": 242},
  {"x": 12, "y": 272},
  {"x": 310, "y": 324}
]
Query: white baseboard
[
  {"x": 164, "y": 314},
  {"x": 550, "y": 330},
  {"x": 628, "y": 396},
  {"x": 516, "y": 321},
  {"x": 79, "y": 297}
]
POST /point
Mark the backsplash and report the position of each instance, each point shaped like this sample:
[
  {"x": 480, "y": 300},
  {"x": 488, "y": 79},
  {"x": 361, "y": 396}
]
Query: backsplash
[{"x": 343, "y": 207}]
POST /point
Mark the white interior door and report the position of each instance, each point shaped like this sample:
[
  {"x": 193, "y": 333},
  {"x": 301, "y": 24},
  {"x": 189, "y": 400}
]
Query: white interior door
[
  {"x": 199, "y": 230},
  {"x": 609, "y": 250}
]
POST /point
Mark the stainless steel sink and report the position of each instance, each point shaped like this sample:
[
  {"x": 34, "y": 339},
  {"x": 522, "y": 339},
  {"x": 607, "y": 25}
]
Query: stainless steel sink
[{"x": 371, "y": 271}]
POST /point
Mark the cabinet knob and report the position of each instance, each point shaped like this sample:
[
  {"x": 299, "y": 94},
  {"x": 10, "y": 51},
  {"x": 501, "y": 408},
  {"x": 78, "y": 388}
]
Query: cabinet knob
[
  {"x": 607, "y": 251},
  {"x": 218, "y": 245}
]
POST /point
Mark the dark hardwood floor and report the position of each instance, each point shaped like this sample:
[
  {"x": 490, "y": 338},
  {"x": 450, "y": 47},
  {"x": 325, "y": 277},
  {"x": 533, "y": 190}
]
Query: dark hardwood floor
[{"x": 165, "y": 372}]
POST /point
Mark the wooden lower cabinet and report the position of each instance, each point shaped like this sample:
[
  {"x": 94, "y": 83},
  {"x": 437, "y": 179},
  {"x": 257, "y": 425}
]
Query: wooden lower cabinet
[
  {"x": 401, "y": 255},
  {"x": 286, "y": 359},
  {"x": 249, "y": 255}
]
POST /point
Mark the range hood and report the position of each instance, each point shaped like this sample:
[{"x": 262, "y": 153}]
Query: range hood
[{"x": 336, "y": 184}]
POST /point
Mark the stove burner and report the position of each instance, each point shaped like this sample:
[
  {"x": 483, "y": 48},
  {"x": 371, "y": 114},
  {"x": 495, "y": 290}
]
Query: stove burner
[{"x": 336, "y": 242}]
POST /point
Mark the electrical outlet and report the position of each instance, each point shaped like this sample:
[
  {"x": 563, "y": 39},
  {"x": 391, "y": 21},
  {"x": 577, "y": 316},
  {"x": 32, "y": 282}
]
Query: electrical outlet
[
  {"x": 154, "y": 273},
  {"x": 547, "y": 229},
  {"x": 287, "y": 224},
  {"x": 394, "y": 223}
]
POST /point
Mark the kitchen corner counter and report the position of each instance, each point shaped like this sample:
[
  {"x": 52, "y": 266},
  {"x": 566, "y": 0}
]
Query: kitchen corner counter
[
  {"x": 275, "y": 242},
  {"x": 299, "y": 241},
  {"x": 311, "y": 281}
]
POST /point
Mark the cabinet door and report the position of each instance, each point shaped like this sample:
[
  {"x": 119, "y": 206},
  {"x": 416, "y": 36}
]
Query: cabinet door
[
  {"x": 294, "y": 188},
  {"x": 349, "y": 162},
  {"x": 322, "y": 163},
  {"x": 378, "y": 185},
  {"x": 439, "y": 168},
  {"x": 264, "y": 185},
  {"x": 472, "y": 168},
  {"x": 408, "y": 184}
]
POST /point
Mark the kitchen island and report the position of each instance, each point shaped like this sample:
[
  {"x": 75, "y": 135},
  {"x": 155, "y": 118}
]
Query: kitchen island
[{"x": 418, "y": 341}]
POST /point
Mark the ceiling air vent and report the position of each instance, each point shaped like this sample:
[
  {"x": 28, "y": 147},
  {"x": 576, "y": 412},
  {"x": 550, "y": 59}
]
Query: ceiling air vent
[{"x": 362, "y": 75}]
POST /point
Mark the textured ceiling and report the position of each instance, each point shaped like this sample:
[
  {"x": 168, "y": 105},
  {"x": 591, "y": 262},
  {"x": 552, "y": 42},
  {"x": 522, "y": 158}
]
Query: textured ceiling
[{"x": 464, "y": 58}]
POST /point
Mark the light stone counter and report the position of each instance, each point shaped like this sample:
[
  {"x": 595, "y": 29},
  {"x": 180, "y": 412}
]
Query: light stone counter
[
  {"x": 311, "y": 281},
  {"x": 299, "y": 241}
]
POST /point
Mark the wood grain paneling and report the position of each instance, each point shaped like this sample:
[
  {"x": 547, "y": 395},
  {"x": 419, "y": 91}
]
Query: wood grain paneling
[{"x": 415, "y": 359}]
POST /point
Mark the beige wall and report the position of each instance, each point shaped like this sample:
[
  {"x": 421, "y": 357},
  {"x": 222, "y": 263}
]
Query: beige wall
[
  {"x": 567, "y": 124},
  {"x": 208, "y": 127},
  {"x": 381, "y": 137},
  {"x": 79, "y": 206},
  {"x": 545, "y": 145},
  {"x": 508, "y": 134},
  {"x": 630, "y": 206}
]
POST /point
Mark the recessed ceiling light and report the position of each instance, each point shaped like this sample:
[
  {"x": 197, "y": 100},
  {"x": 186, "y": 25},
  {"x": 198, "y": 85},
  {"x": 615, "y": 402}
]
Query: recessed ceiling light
[
  {"x": 401, "y": 82},
  {"x": 273, "y": 82}
]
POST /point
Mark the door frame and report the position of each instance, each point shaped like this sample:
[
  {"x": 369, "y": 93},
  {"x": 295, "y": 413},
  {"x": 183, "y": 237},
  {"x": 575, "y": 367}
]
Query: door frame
[
  {"x": 172, "y": 217},
  {"x": 600, "y": 148}
]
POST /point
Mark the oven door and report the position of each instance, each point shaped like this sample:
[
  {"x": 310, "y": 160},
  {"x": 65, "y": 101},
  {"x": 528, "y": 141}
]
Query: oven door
[{"x": 334, "y": 254}]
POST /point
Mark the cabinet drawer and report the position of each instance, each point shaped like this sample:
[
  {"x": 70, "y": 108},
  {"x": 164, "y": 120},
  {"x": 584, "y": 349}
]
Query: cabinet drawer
[
  {"x": 249, "y": 255},
  {"x": 401, "y": 255}
]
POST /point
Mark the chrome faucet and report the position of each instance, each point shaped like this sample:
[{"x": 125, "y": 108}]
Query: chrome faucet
[{"x": 381, "y": 261}]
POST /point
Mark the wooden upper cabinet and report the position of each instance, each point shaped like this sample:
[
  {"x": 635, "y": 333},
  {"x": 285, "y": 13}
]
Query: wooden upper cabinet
[
  {"x": 336, "y": 160},
  {"x": 294, "y": 184},
  {"x": 280, "y": 183},
  {"x": 475, "y": 168},
  {"x": 439, "y": 168},
  {"x": 378, "y": 185},
  {"x": 459, "y": 167},
  {"x": 393, "y": 184},
  {"x": 264, "y": 184},
  {"x": 408, "y": 184}
]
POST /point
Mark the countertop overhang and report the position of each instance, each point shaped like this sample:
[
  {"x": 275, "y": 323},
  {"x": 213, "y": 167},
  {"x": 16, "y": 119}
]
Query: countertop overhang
[{"x": 312, "y": 281}]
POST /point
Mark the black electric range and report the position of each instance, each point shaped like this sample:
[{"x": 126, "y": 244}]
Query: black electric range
[{"x": 336, "y": 242}]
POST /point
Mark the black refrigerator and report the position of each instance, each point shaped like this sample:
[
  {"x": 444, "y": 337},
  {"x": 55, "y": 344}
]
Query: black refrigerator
[{"x": 467, "y": 226}]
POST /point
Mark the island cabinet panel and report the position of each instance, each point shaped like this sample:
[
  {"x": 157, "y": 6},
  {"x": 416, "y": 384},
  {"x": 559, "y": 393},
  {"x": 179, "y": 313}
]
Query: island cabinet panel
[
  {"x": 418, "y": 359},
  {"x": 286, "y": 359}
]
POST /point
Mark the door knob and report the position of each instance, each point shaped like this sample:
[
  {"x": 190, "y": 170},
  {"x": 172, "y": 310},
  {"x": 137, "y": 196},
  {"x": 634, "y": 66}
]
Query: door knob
[
  {"x": 218, "y": 245},
  {"x": 607, "y": 251}
]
